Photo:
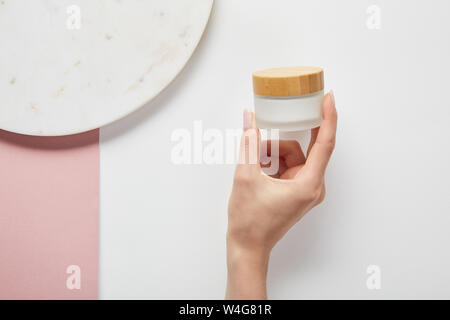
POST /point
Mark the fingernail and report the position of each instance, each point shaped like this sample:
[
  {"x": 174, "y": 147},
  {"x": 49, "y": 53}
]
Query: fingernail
[
  {"x": 332, "y": 97},
  {"x": 247, "y": 120}
]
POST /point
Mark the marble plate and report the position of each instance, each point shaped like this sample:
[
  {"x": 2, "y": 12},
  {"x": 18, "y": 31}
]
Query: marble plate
[{"x": 72, "y": 66}]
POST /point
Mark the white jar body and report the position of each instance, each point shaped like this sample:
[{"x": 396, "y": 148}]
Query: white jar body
[{"x": 296, "y": 113}]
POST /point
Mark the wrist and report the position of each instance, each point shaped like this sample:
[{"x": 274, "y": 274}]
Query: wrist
[
  {"x": 257, "y": 258},
  {"x": 247, "y": 272},
  {"x": 245, "y": 243}
]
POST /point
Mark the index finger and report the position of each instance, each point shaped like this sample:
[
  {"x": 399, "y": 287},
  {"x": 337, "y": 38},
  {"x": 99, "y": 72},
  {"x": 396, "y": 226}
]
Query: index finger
[
  {"x": 290, "y": 150},
  {"x": 323, "y": 147}
]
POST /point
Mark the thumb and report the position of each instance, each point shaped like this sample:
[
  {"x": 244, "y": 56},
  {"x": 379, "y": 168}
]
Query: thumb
[{"x": 250, "y": 140}]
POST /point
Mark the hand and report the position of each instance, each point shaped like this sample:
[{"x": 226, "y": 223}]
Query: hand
[{"x": 263, "y": 208}]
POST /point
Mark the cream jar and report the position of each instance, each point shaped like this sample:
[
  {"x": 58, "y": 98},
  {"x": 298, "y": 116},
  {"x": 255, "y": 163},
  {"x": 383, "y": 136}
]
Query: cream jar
[{"x": 288, "y": 99}]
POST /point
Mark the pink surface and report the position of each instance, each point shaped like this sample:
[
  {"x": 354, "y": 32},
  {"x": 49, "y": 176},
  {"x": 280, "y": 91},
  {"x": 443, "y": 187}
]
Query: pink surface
[{"x": 48, "y": 215}]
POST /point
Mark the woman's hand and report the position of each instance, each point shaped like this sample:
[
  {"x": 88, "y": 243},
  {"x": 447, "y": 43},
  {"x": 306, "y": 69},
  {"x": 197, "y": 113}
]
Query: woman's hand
[{"x": 263, "y": 208}]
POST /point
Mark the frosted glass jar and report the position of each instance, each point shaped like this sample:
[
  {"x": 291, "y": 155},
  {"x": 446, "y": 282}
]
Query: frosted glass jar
[{"x": 288, "y": 99}]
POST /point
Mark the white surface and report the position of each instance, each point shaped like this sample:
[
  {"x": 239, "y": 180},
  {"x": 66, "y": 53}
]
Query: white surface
[
  {"x": 57, "y": 80},
  {"x": 163, "y": 226},
  {"x": 289, "y": 114}
]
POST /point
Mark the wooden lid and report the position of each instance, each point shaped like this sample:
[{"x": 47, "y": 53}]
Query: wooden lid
[{"x": 288, "y": 81}]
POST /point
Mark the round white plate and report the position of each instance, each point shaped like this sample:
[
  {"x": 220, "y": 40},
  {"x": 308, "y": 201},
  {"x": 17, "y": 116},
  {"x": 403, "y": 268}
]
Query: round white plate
[{"x": 69, "y": 66}]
